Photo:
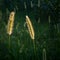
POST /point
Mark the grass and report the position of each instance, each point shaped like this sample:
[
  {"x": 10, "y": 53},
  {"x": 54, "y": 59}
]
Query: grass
[{"x": 21, "y": 43}]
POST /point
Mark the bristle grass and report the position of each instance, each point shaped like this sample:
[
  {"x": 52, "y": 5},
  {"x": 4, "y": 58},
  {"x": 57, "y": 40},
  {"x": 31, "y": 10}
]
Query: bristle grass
[
  {"x": 30, "y": 28},
  {"x": 31, "y": 32},
  {"x": 10, "y": 26}
]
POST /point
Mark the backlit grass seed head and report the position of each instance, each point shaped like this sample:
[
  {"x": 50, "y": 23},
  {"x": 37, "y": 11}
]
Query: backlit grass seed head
[
  {"x": 10, "y": 23},
  {"x": 30, "y": 28}
]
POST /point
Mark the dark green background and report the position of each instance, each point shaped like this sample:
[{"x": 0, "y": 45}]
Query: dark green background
[{"x": 47, "y": 35}]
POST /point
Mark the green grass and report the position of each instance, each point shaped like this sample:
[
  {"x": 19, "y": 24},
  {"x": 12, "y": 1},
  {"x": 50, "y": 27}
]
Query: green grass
[{"x": 21, "y": 44}]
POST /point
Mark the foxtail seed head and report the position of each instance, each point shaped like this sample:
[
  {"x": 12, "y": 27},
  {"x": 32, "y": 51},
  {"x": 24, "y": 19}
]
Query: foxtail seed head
[
  {"x": 10, "y": 23},
  {"x": 30, "y": 28}
]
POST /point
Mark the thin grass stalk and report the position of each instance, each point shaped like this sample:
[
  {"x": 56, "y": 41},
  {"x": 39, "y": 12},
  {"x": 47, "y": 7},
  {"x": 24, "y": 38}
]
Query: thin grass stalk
[
  {"x": 31, "y": 32},
  {"x": 34, "y": 48},
  {"x": 9, "y": 42},
  {"x": 44, "y": 54}
]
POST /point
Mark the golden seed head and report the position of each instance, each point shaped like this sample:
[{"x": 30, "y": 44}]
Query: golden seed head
[
  {"x": 30, "y": 28},
  {"x": 10, "y": 23}
]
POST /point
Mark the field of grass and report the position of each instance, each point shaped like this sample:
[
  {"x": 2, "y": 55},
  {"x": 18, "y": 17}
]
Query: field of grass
[{"x": 19, "y": 46}]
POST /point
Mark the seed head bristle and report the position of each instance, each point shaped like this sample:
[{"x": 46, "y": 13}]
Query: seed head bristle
[
  {"x": 30, "y": 27},
  {"x": 10, "y": 23}
]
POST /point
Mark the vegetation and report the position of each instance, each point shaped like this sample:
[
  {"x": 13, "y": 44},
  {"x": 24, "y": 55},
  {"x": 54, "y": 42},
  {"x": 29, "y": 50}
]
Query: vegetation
[{"x": 46, "y": 24}]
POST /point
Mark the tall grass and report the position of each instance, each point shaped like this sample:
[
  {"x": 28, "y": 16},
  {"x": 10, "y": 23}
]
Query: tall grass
[
  {"x": 31, "y": 32},
  {"x": 10, "y": 25}
]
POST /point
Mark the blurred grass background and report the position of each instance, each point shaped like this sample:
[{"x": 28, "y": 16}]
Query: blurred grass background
[
  {"x": 47, "y": 36},
  {"x": 21, "y": 45}
]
